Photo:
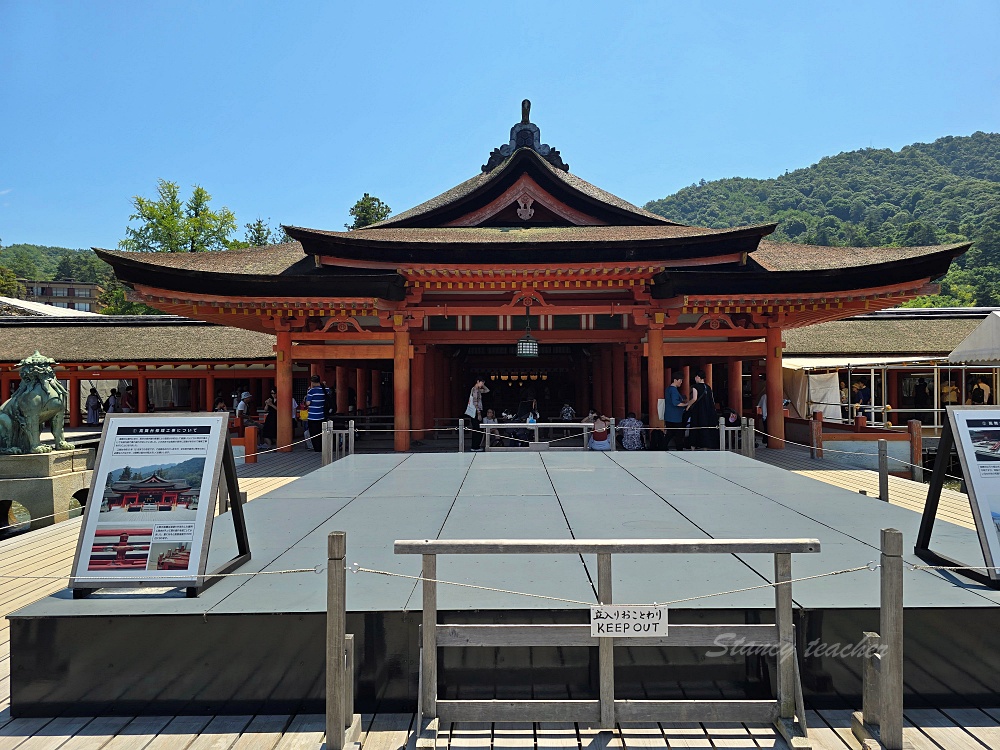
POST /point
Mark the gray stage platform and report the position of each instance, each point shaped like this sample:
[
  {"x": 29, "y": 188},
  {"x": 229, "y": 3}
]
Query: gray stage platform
[{"x": 380, "y": 498}]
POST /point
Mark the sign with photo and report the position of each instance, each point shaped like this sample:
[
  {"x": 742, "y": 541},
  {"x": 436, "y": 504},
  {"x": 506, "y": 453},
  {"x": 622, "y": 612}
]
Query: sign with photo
[
  {"x": 977, "y": 437},
  {"x": 148, "y": 520}
]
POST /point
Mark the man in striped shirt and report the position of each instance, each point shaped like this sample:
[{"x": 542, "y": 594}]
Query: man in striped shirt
[{"x": 316, "y": 402}]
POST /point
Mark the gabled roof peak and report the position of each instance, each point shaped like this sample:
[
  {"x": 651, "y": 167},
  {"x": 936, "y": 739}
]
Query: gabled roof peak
[{"x": 525, "y": 134}]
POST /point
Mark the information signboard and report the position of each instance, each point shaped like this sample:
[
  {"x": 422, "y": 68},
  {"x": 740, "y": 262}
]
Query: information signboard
[
  {"x": 975, "y": 432},
  {"x": 148, "y": 519},
  {"x": 628, "y": 621}
]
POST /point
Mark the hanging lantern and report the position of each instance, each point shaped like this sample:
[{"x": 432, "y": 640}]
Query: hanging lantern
[
  {"x": 527, "y": 346},
  {"x": 534, "y": 376}
]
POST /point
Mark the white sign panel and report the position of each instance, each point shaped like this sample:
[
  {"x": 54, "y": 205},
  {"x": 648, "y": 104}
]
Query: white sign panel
[
  {"x": 148, "y": 520},
  {"x": 612, "y": 621},
  {"x": 977, "y": 436}
]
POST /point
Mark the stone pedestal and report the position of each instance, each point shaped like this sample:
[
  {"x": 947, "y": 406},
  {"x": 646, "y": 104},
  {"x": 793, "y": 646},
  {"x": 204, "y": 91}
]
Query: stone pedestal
[{"x": 45, "y": 484}]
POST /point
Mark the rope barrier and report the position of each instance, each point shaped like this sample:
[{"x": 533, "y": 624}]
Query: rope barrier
[{"x": 356, "y": 568}]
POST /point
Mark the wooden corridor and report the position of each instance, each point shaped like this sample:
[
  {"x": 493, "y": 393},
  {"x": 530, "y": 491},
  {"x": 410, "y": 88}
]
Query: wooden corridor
[
  {"x": 954, "y": 506},
  {"x": 49, "y": 552}
]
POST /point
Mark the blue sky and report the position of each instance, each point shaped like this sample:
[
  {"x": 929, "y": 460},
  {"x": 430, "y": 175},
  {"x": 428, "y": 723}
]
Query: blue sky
[{"x": 292, "y": 110}]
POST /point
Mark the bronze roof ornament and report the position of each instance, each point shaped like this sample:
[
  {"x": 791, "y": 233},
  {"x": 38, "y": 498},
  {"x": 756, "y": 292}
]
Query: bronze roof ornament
[{"x": 525, "y": 134}]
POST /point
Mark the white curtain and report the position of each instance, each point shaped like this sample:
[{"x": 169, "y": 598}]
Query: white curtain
[{"x": 824, "y": 395}]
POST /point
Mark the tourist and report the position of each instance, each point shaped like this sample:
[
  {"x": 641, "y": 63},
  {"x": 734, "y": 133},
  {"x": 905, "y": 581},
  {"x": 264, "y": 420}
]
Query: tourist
[
  {"x": 632, "y": 434},
  {"x": 128, "y": 400},
  {"x": 242, "y": 406},
  {"x": 221, "y": 405},
  {"x": 490, "y": 418},
  {"x": 315, "y": 402},
  {"x": 600, "y": 437},
  {"x": 673, "y": 413},
  {"x": 591, "y": 416},
  {"x": 331, "y": 401},
  {"x": 111, "y": 405},
  {"x": 700, "y": 408},
  {"x": 921, "y": 397},
  {"x": 949, "y": 393},
  {"x": 863, "y": 400},
  {"x": 845, "y": 401},
  {"x": 475, "y": 408},
  {"x": 93, "y": 405},
  {"x": 269, "y": 431},
  {"x": 567, "y": 413},
  {"x": 979, "y": 394}
]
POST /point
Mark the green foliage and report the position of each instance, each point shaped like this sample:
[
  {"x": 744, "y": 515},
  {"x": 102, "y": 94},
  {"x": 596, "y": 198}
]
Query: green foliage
[
  {"x": 44, "y": 263},
  {"x": 925, "y": 194},
  {"x": 9, "y": 285},
  {"x": 169, "y": 225},
  {"x": 116, "y": 302},
  {"x": 259, "y": 233},
  {"x": 368, "y": 210}
]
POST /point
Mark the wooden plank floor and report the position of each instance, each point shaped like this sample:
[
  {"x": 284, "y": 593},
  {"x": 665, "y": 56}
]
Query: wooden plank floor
[
  {"x": 953, "y": 508},
  {"x": 49, "y": 552}
]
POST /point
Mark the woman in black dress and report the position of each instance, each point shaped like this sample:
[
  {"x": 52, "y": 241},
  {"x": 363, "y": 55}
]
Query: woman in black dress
[
  {"x": 269, "y": 432},
  {"x": 701, "y": 409}
]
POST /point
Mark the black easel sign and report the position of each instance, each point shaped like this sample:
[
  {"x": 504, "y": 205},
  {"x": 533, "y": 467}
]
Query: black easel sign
[
  {"x": 149, "y": 514},
  {"x": 975, "y": 432}
]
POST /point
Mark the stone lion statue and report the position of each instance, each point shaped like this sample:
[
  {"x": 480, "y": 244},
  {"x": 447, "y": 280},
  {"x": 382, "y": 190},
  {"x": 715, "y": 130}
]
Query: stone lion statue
[{"x": 40, "y": 398}]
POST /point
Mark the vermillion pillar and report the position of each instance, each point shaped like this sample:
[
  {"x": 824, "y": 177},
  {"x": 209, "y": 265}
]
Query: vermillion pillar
[
  {"x": 686, "y": 385},
  {"x": 607, "y": 384},
  {"x": 74, "y": 401},
  {"x": 418, "y": 395},
  {"x": 376, "y": 393},
  {"x": 361, "y": 380},
  {"x": 775, "y": 390},
  {"x": 401, "y": 387},
  {"x": 734, "y": 375},
  {"x": 4, "y": 388},
  {"x": 343, "y": 395},
  {"x": 618, "y": 380},
  {"x": 283, "y": 385},
  {"x": 597, "y": 384},
  {"x": 634, "y": 397},
  {"x": 142, "y": 386},
  {"x": 707, "y": 367},
  {"x": 209, "y": 391},
  {"x": 654, "y": 367}
]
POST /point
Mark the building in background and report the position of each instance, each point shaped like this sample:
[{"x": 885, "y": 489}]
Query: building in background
[{"x": 71, "y": 295}]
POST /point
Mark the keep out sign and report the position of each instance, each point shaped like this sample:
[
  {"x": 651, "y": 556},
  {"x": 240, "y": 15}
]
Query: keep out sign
[{"x": 613, "y": 621}]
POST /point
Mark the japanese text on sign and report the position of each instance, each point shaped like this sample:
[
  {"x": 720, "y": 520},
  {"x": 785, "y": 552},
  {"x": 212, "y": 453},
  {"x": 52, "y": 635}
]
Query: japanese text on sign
[{"x": 610, "y": 621}]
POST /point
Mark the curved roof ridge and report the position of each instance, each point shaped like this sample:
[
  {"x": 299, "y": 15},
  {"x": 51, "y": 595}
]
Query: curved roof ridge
[{"x": 468, "y": 187}]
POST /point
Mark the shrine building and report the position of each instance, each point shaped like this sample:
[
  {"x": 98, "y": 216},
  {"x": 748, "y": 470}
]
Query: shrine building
[
  {"x": 526, "y": 274},
  {"x": 132, "y": 495}
]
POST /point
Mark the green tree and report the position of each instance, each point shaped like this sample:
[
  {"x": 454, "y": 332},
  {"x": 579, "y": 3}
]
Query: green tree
[
  {"x": 169, "y": 225},
  {"x": 115, "y": 300},
  {"x": 9, "y": 285},
  {"x": 81, "y": 265},
  {"x": 21, "y": 262},
  {"x": 368, "y": 210},
  {"x": 259, "y": 233}
]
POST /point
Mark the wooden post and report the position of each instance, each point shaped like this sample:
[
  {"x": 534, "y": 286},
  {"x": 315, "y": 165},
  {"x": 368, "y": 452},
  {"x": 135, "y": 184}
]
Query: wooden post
[
  {"x": 618, "y": 380},
  {"x": 654, "y": 369},
  {"x": 428, "y": 648},
  {"x": 400, "y": 388},
  {"x": 418, "y": 398},
  {"x": 606, "y": 646},
  {"x": 915, "y": 428},
  {"x": 250, "y": 445},
  {"x": 336, "y": 631},
  {"x": 74, "y": 401},
  {"x": 283, "y": 384},
  {"x": 883, "y": 470},
  {"x": 891, "y": 634},
  {"x": 634, "y": 390},
  {"x": 707, "y": 367},
  {"x": 734, "y": 374},
  {"x": 326, "y": 444},
  {"x": 686, "y": 385},
  {"x": 775, "y": 390},
  {"x": 816, "y": 435},
  {"x": 786, "y": 641}
]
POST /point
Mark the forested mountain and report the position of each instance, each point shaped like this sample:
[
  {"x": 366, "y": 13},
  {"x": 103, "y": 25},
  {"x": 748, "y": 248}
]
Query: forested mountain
[
  {"x": 44, "y": 263},
  {"x": 924, "y": 194}
]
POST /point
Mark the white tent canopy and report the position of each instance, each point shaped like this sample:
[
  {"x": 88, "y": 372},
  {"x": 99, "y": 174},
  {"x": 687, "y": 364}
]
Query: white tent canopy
[{"x": 982, "y": 346}]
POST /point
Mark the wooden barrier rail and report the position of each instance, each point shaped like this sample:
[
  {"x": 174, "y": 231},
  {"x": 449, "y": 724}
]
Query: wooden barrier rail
[
  {"x": 786, "y": 711},
  {"x": 335, "y": 444}
]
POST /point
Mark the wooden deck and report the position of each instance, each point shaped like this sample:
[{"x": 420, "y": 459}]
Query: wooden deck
[
  {"x": 49, "y": 552},
  {"x": 954, "y": 506}
]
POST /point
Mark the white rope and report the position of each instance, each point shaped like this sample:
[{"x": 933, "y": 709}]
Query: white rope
[
  {"x": 953, "y": 567},
  {"x": 356, "y": 568}
]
